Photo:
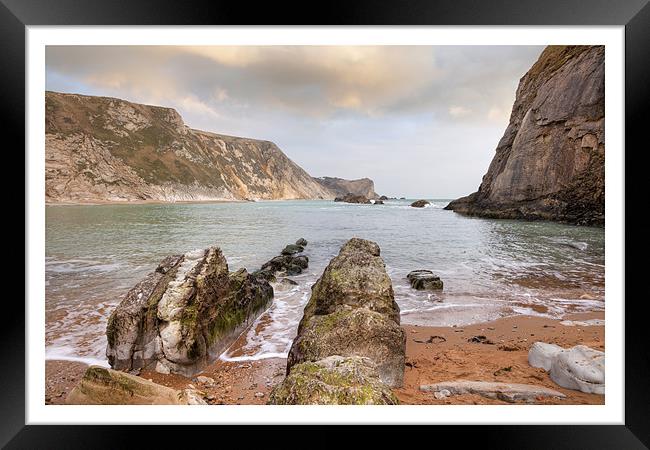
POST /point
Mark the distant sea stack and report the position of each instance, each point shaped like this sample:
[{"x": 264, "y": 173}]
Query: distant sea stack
[
  {"x": 550, "y": 163},
  {"x": 341, "y": 187},
  {"x": 106, "y": 149}
]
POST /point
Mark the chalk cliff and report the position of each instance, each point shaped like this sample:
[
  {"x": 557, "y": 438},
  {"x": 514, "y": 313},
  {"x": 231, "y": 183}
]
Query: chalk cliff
[{"x": 106, "y": 149}]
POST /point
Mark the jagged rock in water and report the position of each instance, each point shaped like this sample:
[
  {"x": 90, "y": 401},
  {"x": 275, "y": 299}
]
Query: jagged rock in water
[
  {"x": 352, "y": 312},
  {"x": 184, "y": 314},
  {"x": 292, "y": 249},
  {"x": 383, "y": 197},
  {"x": 107, "y": 149},
  {"x": 364, "y": 187},
  {"x": 580, "y": 368},
  {"x": 334, "y": 380},
  {"x": 419, "y": 204},
  {"x": 284, "y": 284},
  {"x": 378, "y": 202},
  {"x": 287, "y": 263},
  {"x": 352, "y": 198},
  {"x": 424, "y": 280},
  {"x": 550, "y": 162},
  {"x": 102, "y": 386}
]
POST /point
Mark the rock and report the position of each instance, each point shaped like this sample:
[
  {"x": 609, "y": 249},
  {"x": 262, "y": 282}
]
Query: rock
[
  {"x": 341, "y": 187},
  {"x": 184, "y": 313},
  {"x": 286, "y": 264},
  {"x": 334, "y": 380},
  {"x": 206, "y": 381},
  {"x": 107, "y": 149},
  {"x": 441, "y": 394},
  {"x": 259, "y": 394},
  {"x": 425, "y": 280},
  {"x": 292, "y": 249},
  {"x": 580, "y": 368},
  {"x": 383, "y": 197},
  {"x": 509, "y": 392},
  {"x": 378, "y": 202},
  {"x": 583, "y": 323},
  {"x": 284, "y": 284},
  {"x": 352, "y": 312},
  {"x": 480, "y": 340},
  {"x": 550, "y": 162},
  {"x": 102, "y": 386},
  {"x": 420, "y": 203},
  {"x": 302, "y": 242},
  {"x": 352, "y": 198}
]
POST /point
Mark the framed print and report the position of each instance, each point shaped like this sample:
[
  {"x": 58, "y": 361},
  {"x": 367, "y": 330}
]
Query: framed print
[{"x": 396, "y": 214}]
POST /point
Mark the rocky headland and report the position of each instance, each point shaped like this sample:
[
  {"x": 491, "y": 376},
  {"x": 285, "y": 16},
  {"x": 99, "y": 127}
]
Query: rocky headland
[
  {"x": 101, "y": 149},
  {"x": 550, "y": 162},
  {"x": 362, "y": 187}
]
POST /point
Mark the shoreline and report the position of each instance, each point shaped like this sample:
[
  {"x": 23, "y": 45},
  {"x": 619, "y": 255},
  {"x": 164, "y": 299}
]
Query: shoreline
[
  {"x": 448, "y": 357},
  {"x": 175, "y": 202}
]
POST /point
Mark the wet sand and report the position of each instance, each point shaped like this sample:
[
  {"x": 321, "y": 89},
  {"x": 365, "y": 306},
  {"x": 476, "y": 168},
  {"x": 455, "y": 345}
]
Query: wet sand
[{"x": 433, "y": 354}]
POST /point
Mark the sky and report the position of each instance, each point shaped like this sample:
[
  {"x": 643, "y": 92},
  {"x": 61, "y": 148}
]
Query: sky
[{"x": 421, "y": 121}]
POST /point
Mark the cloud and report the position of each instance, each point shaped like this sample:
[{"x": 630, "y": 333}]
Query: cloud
[{"x": 336, "y": 110}]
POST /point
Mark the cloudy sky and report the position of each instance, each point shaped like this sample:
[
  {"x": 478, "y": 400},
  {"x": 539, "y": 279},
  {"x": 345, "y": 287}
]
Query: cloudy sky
[{"x": 420, "y": 121}]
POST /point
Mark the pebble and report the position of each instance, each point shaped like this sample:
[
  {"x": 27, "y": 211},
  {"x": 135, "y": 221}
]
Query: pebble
[{"x": 259, "y": 394}]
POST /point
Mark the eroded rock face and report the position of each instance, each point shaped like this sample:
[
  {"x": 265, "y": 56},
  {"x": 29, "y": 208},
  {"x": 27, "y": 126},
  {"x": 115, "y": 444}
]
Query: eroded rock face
[
  {"x": 184, "y": 314},
  {"x": 550, "y": 162},
  {"x": 102, "y": 386},
  {"x": 352, "y": 312},
  {"x": 107, "y": 149},
  {"x": 334, "y": 380}
]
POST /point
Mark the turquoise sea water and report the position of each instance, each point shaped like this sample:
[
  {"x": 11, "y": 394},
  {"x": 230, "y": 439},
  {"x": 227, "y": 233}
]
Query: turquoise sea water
[{"x": 491, "y": 268}]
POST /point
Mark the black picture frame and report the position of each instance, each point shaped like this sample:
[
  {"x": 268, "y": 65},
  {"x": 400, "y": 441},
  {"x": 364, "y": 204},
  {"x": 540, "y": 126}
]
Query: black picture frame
[{"x": 15, "y": 15}]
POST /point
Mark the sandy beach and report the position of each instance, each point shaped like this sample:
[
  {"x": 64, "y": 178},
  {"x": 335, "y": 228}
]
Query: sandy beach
[{"x": 433, "y": 354}]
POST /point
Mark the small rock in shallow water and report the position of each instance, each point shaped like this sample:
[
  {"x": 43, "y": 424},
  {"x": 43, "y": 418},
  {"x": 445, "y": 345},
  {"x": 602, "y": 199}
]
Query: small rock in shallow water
[
  {"x": 302, "y": 242},
  {"x": 424, "y": 280},
  {"x": 419, "y": 203},
  {"x": 292, "y": 249}
]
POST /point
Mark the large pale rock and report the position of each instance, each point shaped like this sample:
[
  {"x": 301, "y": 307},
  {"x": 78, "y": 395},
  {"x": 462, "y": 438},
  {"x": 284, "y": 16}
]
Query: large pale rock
[
  {"x": 509, "y": 392},
  {"x": 184, "y": 314},
  {"x": 580, "y": 368},
  {"x": 102, "y": 386},
  {"x": 352, "y": 312},
  {"x": 334, "y": 380},
  {"x": 550, "y": 162}
]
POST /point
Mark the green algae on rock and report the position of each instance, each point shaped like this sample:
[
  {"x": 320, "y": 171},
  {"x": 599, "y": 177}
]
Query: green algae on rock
[
  {"x": 334, "y": 380},
  {"x": 352, "y": 313},
  {"x": 184, "y": 314},
  {"x": 102, "y": 386}
]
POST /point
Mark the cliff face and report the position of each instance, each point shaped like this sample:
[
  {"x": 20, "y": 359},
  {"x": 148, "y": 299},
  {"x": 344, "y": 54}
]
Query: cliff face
[
  {"x": 550, "y": 162},
  {"x": 106, "y": 149},
  {"x": 340, "y": 187}
]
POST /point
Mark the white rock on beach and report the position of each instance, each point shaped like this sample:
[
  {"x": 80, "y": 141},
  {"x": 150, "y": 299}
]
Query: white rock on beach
[
  {"x": 509, "y": 392},
  {"x": 580, "y": 368}
]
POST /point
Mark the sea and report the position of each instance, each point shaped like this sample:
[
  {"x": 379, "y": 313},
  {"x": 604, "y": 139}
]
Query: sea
[{"x": 490, "y": 268}]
